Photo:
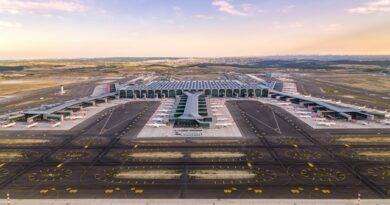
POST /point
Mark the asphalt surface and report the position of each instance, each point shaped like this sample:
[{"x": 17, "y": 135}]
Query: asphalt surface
[
  {"x": 288, "y": 159},
  {"x": 359, "y": 96}
]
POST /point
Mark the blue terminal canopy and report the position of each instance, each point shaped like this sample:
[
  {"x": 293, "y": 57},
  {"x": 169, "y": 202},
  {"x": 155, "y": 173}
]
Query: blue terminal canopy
[{"x": 195, "y": 85}]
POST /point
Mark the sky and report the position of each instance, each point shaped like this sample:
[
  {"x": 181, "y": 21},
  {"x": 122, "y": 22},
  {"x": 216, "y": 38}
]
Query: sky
[{"x": 192, "y": 28}]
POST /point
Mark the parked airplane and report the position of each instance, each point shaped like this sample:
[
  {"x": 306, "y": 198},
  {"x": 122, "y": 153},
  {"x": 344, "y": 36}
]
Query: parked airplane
[
  {"x": 320, "y": 119},
  {"x": 11, "y": 124},
  {"x": 302, "y": 109},
  {"x": 222, "y": 119},
  {"x": 303, "y": 112},
  {"x": 75, "y": 117},
  {"x": 216, "y": 106},
  {"x": 167, "y": 107},
  {"x": 157, "y": 119},
  {"x": 328, "y": 124},
  {"x": 162, "y": 114},
  {"x": 156, "y": 125},
  {"x": 226, "y": 124}
]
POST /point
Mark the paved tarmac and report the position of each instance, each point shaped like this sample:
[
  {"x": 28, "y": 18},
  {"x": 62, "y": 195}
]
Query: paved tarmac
[
  {"x": 195, "y": 202},
  {"x": 288, "y": 159}
]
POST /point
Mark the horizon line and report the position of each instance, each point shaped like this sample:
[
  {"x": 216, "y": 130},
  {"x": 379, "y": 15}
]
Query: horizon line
[{"x": 194, "y": 57}]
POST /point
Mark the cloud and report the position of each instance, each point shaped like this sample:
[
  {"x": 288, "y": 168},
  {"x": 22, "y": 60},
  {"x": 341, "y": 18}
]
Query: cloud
[
  {"x": 227, "y": 7},
  {"x": 33, "y": 6},
  {"x": 291, "y": 25},
  {"x": 332, "y": 27},
  {"x": 374, "y": 6},
  {"x": 177, "y": 10},
  {"x": 169, "y": 21},
  {"x": 7, "y": 24},
  {"x": 250, "y": 9},
  {"x": 287, "y": 9},
  {"x": 203, "y": 17},
  {"x": 47, "y": 15},
  {"x": 295, "y": 25}
]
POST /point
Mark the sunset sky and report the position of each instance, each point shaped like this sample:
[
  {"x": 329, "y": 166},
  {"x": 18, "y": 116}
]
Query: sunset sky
[{"x": 106, "y": 28}]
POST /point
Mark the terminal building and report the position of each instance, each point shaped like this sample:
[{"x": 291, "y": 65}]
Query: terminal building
[
  {"x": 59, "y": 111},
  {"x": 154, "y": 89},
  {"x": 171, "y": 89},
  {"x": 191, "y": 111},
  {"x": 325, "y": 109}
]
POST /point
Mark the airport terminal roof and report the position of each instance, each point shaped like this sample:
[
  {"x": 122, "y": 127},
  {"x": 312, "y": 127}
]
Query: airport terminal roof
[
  {"x": 50, "y": 109},
  {"x": 328, "y": 106},
  {"x": 191, "y": 110},
  {"x": 195, "y": 85}
]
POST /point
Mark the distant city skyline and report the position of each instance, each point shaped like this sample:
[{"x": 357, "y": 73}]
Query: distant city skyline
[{"x": 199, "y": 28}]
